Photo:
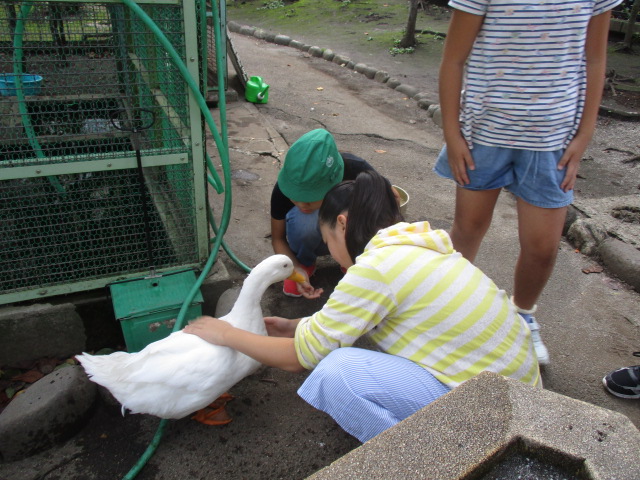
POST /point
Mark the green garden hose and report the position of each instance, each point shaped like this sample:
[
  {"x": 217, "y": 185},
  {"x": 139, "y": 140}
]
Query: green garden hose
[{"x": 224, "y": 157}]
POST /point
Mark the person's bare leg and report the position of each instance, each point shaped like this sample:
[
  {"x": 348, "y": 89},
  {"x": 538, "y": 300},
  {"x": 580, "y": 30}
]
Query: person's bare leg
[
  {"x": 539, "y": 231},
  {"x": 473, "y": 214}
]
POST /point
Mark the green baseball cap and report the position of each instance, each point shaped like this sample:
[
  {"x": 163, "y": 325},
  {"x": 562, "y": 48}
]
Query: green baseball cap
[{"x": 312, "y": 166}]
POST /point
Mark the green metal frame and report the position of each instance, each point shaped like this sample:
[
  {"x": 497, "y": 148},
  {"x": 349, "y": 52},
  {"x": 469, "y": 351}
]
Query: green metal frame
[{"x": 195, "y": 155}]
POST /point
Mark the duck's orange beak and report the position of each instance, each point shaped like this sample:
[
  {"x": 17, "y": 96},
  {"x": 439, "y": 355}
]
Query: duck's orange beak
[{"x": 297, "y": 277}]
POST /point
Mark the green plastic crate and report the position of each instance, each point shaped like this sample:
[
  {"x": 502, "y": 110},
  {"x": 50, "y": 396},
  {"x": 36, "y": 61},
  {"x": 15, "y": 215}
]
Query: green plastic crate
[{"x": 147, "y": 307}]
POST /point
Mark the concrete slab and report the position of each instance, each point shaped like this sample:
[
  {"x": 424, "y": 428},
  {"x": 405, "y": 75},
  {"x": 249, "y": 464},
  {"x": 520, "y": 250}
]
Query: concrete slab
[
  {"x": 32, "y": 332},
  {"x": 468, "y": 431}
]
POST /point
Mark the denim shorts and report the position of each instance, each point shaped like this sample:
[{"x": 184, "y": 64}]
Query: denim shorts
[{"x": 528, "y": 174}]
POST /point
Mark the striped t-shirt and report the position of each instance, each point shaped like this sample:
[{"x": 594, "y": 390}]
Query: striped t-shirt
[
  {"x": 415, "y": 297},
  {"x": 526, "y": 73}
]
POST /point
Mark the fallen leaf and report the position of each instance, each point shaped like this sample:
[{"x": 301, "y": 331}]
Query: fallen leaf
[
  {"x": 380, "y": 151},
  {"x": 611, "y": 283},
  {"x": 593, "y": 269},
  {"x": 31, "y": 376},
  {"x": 104, "y": 435},
  {"x": 320, "y": 89}
]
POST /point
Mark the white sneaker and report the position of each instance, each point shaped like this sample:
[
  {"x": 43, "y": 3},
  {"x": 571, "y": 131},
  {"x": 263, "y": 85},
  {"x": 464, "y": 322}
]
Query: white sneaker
[{"x": 541, "y": 350}]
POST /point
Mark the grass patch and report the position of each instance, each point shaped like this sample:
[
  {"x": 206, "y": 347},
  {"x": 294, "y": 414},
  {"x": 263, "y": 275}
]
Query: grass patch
[{"x": 372, "y": 26}]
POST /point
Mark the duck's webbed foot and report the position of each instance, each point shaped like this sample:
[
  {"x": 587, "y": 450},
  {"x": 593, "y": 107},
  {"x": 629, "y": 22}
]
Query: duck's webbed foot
[{"x": 215, "y": 413}]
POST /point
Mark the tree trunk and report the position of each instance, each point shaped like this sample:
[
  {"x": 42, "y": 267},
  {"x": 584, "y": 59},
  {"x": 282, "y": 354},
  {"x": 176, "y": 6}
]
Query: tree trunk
[
  {"x": 409, "y": 39},
  {"x": 631, "y": 23}
]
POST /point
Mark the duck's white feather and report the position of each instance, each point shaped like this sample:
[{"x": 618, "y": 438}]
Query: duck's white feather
[{"x": 182, "y": 373}]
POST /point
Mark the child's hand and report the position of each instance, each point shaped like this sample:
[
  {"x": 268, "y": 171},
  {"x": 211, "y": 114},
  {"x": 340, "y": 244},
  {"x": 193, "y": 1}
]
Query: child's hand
[
  {"x": 571, "y": 161},
  {"x": 308, "y": 291},
  {"x": 280, "y": 327},
  {"x": 460, "y": 160},
  {"x": 209, "y": 329},
  {"x": 305, "y": 288}
]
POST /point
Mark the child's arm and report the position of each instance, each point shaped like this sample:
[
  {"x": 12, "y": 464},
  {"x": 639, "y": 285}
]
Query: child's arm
[
  {"x": 279, "y": 240},
  {"x": 596, "y": 56},
  {"x": 277, "y": 352},
  {"x": 280, "y": 245},
  {"x": 463, "y": 29}
]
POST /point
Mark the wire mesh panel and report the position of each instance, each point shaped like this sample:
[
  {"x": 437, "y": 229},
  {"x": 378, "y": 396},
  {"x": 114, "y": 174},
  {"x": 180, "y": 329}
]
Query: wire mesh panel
[{"x": 87, "y": 89}]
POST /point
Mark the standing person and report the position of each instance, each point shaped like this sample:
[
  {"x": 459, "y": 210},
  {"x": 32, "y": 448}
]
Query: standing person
[
  {"x": 312, "y": 166},
  {"x": 520, "y": 88},
  {"x": 435, "y": 318}
]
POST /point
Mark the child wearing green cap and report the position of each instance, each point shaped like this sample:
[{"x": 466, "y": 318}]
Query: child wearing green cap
[{"x": 312, "y": 166}]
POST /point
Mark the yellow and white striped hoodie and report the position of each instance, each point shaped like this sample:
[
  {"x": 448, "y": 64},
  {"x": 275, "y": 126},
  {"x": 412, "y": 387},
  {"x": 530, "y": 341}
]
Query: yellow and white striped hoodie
[{"x": 416, "y": 297}]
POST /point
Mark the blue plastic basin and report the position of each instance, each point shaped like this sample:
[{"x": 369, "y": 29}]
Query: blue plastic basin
[{"x": 31, "y": 84}]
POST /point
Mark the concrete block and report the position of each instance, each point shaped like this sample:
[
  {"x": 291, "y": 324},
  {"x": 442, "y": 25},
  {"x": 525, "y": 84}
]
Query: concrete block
[
  {"x": 234, "y": 26},
  {"x": 227, "y": 300},
  {"x": 297, "y": 45},
  {"x": 247, "y": 30},
  {"x": 393, "y": 82},
  {"x": 369, "y": 72},
  {"x": 40, "y": 330},
  {"x": 50, "y": 411},
  {"x": 437, "y": 116},
  {"x": 269, "y": 37},
  {"x": 341, "y": 60},
  {"x": 381, "y": 76},
  {"x": 218, "y": 281},
  {"x": 260, "y": 33},
  {"x": 282, "y": 40},
  {"x": 621, "y": 259},
  {"x": 432, "y": 109},
  {"x": 427, "y": 104},
  {"x": 484, "y": 422},
  {"x": 315, "y": 51},
  {"x": 408, "y": 90},
  {"x": 328, "y": 54},
  {"x": 424, "y": 96},
  {"x": 360, "y": 67}
]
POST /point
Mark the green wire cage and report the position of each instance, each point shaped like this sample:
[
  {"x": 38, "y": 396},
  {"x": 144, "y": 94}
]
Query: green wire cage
[{"x": 87, "y": 91}]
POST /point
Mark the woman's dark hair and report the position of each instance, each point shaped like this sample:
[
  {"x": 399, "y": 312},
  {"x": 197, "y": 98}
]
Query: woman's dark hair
[{"x": 370, "y": 203}]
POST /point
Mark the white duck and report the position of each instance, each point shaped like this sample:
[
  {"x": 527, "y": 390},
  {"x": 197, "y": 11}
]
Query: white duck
[{"x": 182, "y": 373}]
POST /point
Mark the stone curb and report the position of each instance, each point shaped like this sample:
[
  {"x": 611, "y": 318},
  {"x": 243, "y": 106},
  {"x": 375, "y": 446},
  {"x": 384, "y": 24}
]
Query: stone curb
[
  {"x": 622, "y": 262},
  {"x": 50, "y": 411},
  {"x": 424, "y": 100}
]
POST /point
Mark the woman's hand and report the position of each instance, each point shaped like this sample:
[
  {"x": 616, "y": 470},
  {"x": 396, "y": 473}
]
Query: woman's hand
[
  {"x": 281, "y": 327},
  {"x": 209, "y": 329}
]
